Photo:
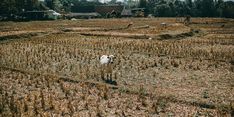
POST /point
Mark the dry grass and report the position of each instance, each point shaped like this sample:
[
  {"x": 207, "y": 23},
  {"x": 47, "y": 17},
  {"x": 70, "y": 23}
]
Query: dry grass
[{"x": 58, "y": 74}]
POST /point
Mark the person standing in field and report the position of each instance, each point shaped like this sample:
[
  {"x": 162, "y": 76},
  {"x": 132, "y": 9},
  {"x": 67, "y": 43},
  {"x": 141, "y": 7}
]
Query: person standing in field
[{"x": 187, "y": 19}]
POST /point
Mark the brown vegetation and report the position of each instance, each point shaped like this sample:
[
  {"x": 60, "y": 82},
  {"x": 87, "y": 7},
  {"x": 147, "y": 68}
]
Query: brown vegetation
[{"x": 57, "y": 73}]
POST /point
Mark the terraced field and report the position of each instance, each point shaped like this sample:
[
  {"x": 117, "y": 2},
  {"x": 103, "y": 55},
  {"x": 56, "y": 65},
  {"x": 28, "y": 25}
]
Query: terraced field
[{"x": 51, "y": 68}]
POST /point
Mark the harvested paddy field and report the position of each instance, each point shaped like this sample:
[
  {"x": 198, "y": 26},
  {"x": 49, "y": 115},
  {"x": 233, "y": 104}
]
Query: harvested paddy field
[{"x": 52, "y": 68}]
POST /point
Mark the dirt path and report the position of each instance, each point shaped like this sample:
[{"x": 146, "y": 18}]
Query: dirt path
[{"x": 145, "y": 36}]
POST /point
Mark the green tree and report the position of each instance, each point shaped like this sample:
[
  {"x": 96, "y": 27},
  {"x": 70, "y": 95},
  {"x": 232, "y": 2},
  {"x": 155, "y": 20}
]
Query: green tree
[
  {"x": 205, "y": 8},
  {"x": 162, "y": 10},
  {"x": 189, "y": 3},
  {"x": 54, "y": 4},
  {"x": 32, "y": 5},
  {"x": 179, "y": 8},
  {"x": 189, "y": 7},
  {"x": 151, "y": 5},
  {"x": 142, "y": 4},
  {"x": 219, "y": 6},
  {"x": 57, "y": 5},
  {"x": 8, "y": 7},
  {"x": 112, "y": 2},
  {"x": 198, "y": 7},
  {"x": 228, "y": 9}
]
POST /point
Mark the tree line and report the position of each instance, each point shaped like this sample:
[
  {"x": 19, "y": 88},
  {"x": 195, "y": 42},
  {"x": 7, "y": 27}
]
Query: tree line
[
  {"x": 194, "y": 8},
  {"x": 159, "y": 8}
]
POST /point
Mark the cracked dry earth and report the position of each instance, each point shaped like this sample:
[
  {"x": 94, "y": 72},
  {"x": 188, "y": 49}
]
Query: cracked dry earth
[{"x": 58, "y": 74}]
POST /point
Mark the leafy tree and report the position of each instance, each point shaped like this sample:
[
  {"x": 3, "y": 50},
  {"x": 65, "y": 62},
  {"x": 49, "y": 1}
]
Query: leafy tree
[
  {"x": 49, "y": 3},
  {"x": 8, "y": 7},
  {"x": 205, "y": 8},
  {"x": 112, "y": 2},
  {"x": 31, "y": 5},
  {"x": 219, "y": 6},
  {"x": 189, "y": 3},
  {"x": 162, "y": 10},
  {"x": 142, "y": 4},
  {"x": 208, "y": 8},
  {"x": 179, "y": 8},
  {"x": 228, "y": 9},
  {"x": 151, "y": 5},
  {"x": 84, "y": 6},
  {"x": 20, "y": 4},
  {"x": 189, "y": 7},
  {"x": 56, "y": 5}
]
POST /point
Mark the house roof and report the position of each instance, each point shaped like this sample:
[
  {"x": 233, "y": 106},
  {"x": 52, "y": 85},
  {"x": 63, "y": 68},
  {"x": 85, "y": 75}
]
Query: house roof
[
  {"x": 126, "y": 12},
  {"x": 84, "y": 14},
  {"x": 136, "y": 9},
  {"x": 104, "y": 9}
]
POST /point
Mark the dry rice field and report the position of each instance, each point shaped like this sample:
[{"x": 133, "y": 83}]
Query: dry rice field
[{"x": 52, "y": 69}]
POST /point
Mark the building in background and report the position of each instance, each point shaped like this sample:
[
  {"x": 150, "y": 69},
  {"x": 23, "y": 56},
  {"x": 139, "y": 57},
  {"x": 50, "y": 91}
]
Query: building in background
[{"x": 111, "y": 10}]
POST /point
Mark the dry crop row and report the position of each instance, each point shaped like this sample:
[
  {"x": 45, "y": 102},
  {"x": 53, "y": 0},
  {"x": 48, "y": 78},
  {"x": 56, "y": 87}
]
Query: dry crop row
[{"x": 187, "y": 77}]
